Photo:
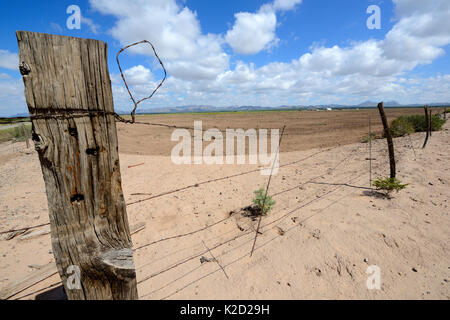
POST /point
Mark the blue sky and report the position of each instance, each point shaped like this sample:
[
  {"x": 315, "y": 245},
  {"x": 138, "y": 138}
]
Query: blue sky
[{"x": 270, "y": 53}]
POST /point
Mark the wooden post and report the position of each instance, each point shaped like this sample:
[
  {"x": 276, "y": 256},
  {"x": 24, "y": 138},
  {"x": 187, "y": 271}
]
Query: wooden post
[
  {"x": 69, "y": 98},
  {"x": 25, "y": 134},
  {"x": 390, "y": 143},
  {"x": 428, "y": 127},
  {"x": 370, "y": 153}
]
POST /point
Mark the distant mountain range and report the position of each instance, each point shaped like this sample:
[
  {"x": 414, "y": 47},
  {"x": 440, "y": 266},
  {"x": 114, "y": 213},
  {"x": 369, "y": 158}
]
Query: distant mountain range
[{"x": 374, "y": 104}]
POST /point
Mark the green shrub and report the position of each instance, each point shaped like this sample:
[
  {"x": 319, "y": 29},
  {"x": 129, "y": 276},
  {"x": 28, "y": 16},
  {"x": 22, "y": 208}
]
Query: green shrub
[
  {"x": 437, "y": 123},
  {"x": 404, "y": 124},
  {"x": 258, "y": 200},
  {"x": 401, "y": 127},
  {"x": 420, "y": 124},
  {"x": 367, "y": 138},
  {"x": 389, "y": 184}
]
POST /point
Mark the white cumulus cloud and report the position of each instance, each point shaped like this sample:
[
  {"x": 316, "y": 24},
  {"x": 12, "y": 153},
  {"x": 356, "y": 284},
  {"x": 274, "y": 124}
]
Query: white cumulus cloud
[
  {"x": 252, "y": 32},
  {"x": 420, "y": 33},
  {"x": 286, "y": 4},
  {"x": 9, "y": 60},
  {"x": 138, "y": 75}
]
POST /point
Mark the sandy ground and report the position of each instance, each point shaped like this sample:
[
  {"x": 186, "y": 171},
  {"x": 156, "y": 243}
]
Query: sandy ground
[{"x": 325, "y": 230}]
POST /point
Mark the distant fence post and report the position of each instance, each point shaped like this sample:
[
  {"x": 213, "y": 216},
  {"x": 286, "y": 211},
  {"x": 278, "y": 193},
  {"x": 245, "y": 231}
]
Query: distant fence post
[
  {"x": 427, "y": 122},
  {"x": 430, "y": 119},
  {"x": 69, "y": 98},
  {"x": 370, "y": 153},
  {"x": 390, "y": 143},
  {"x": 25, "y": 134}
]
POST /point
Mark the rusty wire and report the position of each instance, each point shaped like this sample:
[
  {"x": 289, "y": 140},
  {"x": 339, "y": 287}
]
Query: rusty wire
[
  {"x": 136, "y": 103},
  {"x": 329, "y": 171},
  {"x": 196, "y": 255},
  {"x": 75, "y": 113},
  {"x": 316, "y": 198},
  {"x": 185, "y": 188}
]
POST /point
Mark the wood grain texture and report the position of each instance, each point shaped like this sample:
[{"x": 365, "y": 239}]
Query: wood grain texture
[{"x": 67, "y": 87}]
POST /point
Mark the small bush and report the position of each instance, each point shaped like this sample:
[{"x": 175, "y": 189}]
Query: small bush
[
  {"x": 389, "y": 184},
  {"x": 367, "y": 138},
  {"x": 401, "y": 127},
  {"x": 404, "y": 125},
  {"x": 258, "y": 200},
  {"x": 436, "y": 123},
  {"x": 420, "y": 124}
]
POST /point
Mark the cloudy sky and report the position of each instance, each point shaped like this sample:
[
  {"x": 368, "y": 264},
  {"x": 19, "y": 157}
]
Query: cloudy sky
[{"x": 235, "y": 52}]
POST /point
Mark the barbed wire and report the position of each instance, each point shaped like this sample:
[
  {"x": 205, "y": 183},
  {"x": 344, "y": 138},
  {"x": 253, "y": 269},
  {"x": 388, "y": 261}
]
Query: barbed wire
[
  {"x": 311, "y": 180},
  {"x": 339, "y": 185},
  {"x": 196, "y": 185},
  {"x": 136, "y": 103},
  {"x": 257, "y": 247},
  {"x": 188, "y": 187},
  {"x": 315, "y": 198},
  {"x": 329, "y": 171},
  {"x": 183, "y": 261}
]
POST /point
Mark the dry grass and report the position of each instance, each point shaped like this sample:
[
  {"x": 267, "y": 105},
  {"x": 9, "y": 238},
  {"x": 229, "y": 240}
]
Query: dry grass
[{"x": 15, "y": 133}]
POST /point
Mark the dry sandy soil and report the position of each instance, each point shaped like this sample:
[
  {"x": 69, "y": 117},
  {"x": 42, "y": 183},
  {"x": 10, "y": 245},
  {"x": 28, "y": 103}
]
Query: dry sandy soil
[
  {"x": 326, "y": 228},
  {"x": 304, "y": 130}
]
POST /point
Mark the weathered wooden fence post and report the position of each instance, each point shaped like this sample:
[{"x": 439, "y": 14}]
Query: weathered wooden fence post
[
  {"x": 69, "y": 97},
  {"x": 427, "y": 122},
  {"x": 430, "y": 119},
  {"x": 25, "y": 134},
  {"x": 370, "y": 153},
  {"x": 390, "y": 143}
]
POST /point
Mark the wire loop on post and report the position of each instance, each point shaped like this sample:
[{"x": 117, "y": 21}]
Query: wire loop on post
[{"x": 136, "y": 103}]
